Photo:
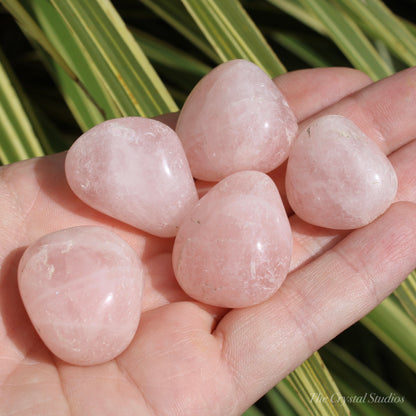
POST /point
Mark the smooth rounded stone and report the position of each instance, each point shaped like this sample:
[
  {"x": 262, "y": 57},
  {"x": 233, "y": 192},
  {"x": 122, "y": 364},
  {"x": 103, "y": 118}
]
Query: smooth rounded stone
[
  {"x": 135, "y": 170},
  {"x": 234, "y": 248},
  {"x": 82, "y": 289},
  {"x": 235, "y": 119},
  {"x": 337, "y": 177}
]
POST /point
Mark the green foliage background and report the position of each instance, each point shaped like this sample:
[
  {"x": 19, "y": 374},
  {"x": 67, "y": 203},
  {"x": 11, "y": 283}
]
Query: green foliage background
[{"x": 66, "y": 65}]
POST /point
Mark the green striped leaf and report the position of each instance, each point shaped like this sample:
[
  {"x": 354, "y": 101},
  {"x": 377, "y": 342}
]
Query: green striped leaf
[
  {"x": 286, "y": 390},
  {"x": 406, "y": 293},
  {"x": 88, "y": 99},
  {"x": 365, "y": 391},
  {"x": 385, "y": 54},
  {"x": 349, "y": 38},
  {"x": 295, "y": 9},
  {"x": 85, "y": 112},
  {"x": 174, "y": 13},
  {"x": 32, "y": 29},
  {"x": 393, "y": 326},
  {"x": 281, "y": 403},
  {"x": 121, "y": 64},
  {"x": 381, "y": 22},
  {"x": 315, "y": 387},
  {"x": 18, "y": 138},
  {"x": 164, "y": 54},
  {"x": 179, "y": 70},
  {"x": 232, "y": 33},
  {"x": 301, "y": 47},
  {"x": 252, "y": 411},
  {"x": 410, "y": 26}
]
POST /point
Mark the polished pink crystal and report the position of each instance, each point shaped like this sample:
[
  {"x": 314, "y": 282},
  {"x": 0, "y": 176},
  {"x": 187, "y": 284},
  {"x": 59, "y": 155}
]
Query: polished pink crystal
[
  {"x": 135, "y": 170},
  {"x": 82, "y": 289},
  {"x": 337, "y": 177},
  {"x": 234, "y": 248},
  {"x": 235, "y": 119}
]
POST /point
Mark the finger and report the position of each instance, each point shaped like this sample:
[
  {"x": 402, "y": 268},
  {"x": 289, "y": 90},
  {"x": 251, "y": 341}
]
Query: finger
[
  {"x": 170, "y": 119},
  {"x": 383, "y": 110},
  {"x": 262, "y": 344},
  {"x": 403, "y": 161},
  {"x": 311, "y": 90}
]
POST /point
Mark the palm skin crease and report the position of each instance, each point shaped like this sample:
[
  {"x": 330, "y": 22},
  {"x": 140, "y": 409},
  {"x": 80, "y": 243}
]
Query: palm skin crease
[{"x": 188, "y": 358}]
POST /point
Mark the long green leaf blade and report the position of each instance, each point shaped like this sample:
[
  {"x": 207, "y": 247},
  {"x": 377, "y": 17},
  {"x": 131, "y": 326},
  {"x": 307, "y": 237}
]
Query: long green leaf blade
[
  {"x": 393, "y": 326},
  {"x": 312, "y": 381},
  {"x": 301, "y": 48},
  {"x": 406, "y": 293},
  {"x": 179, "y": 70},
  {"x": 88, "y": 100},
  {"x": 233, "y": 34},
  {"x": 31, "y": 28},
  {"x": 281, "y": 402},
  {"x": 410, "y": 26},
  {"x": 82, "y": 108},
  {"x": 298, "y": 11},
  {"x": 349, "y": 38},
  {"x": 122, "y": 65},
  {"x": 173, "y": 12},
  {"x": 253, "y": 411},
  {"x": 367, "y": 393},
  {"x": 286, "y": 389},
  {"x": 18, "y": 139},
  {"x": 164, "y": 54},
  {"x": 383, "y": 24}
]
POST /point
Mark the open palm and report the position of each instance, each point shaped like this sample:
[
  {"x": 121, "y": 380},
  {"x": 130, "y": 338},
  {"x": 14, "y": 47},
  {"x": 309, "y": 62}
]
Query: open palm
[{"x": 192, "y": 359}]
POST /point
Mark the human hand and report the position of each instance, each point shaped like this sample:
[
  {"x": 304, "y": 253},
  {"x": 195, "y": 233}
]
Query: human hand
[{"x": 188, "y": 358}]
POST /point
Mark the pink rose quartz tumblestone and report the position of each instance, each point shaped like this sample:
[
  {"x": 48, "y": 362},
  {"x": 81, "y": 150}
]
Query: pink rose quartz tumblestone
[
  {"x": 235, "y": 119},
  {"x": 337, "y": 177},
  {"x": 82, "y": 289},
  {"x": 135, "y": 170},
  {"x": 234, "y": 248}
]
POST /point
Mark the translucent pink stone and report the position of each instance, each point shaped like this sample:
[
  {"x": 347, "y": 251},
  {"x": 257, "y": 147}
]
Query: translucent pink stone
[
  {"x": 235, "y": 119},
  {"x": 337, "y": 177},
  {"x": 135, "y": 170},
  {"x": 82, "y": 288},
  {"x": 234, "y": 249}
]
